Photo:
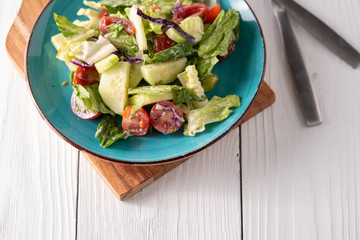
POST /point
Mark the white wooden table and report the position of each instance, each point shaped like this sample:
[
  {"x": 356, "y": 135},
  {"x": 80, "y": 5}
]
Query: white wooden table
[{"x": 274, "y": 178}]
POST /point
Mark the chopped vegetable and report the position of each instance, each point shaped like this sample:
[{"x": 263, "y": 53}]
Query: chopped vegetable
[
  {"x": 216, "y": 110},
  {"x": 178, "y": 51},
  {"x": 191, "y": 25},
  {"x": 219, "y": 35},
  {"x": 189, "y": 79},
  {"x": 92, "y": 52},
  {"x": 73, "y": 33},
  {"x": 90, "y": 96},
  {"x": 109, "y": 132},
  {"x": 167, "y": 23}
]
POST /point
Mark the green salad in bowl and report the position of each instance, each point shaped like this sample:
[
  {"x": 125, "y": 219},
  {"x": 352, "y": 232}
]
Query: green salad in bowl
[{"x": 145, "y": 65}]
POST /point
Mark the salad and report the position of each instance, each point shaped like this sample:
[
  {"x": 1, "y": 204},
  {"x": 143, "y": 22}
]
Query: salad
[{"x": 148, "y": 61}]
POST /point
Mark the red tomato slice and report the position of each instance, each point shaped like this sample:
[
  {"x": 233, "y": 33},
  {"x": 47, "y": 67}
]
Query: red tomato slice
[
  {"x": 86, "y": 76},
  {"x": 107, "y": 21},
  {"x": 104, "y": 12},
  {"x": 154, "y": 7},
  {"x": 162, "y": 42},
  {"x": 166, "y": 117},
  {"x": 77, "y": 106},
  {"x": 192, "y": 10},
  {"x": 213, "y": 13},
  {"x": 139, "y": 125}
]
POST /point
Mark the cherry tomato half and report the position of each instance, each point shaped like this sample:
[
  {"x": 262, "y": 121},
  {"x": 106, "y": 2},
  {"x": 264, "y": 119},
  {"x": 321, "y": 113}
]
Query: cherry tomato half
[
  {"x": 192, "y": 10},
  {"x": 162, "y": 42},
  {"x": 107, "y": 21},
  {"x": 213, "y": 13},
  {"x": 139, "y": 125},
  {"x": 86, "y": 76},
  {"x": 104, "y": 12},
  {"x": 77, "y": 106},
  {"x": 166, "y": 117}
]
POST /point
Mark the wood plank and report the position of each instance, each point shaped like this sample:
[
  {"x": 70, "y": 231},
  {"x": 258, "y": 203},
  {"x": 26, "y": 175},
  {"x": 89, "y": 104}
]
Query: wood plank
[
  {"x": 200, "y": 199},
  {"x": 38, "y": 170},
  {"x": 299, "y": 182}
]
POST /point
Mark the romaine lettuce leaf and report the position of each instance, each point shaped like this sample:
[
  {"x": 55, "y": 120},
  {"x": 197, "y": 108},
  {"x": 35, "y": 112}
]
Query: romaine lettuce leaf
[
  {"x": 92, "y": 52},
  {"x": 115, "y": 6},
  {"x": 109, "y": 132},
  {"x": 73, "y": 33},
  {"x": 92, "y": 23},
  {"x": 124, "y": 42},
  {"x": 204, "y": 66},
  {"x": 177, "y": 51},
  {"x": 90, "y": 96},
  {"x": 219, "y": 35},
  {"x": 93, "y": 4},
  {"x": 216, "y": 110},
  {"x": 189, "y": 79}
]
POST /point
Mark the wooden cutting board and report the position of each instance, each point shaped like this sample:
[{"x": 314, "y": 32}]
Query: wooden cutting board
[{"x": 123, "y": 179}]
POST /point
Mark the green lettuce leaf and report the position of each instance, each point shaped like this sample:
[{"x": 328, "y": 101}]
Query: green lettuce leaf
[
  {"x": 73, "y": 33},
  {"x": 92, "y": 52},
  {"x": 189, "y": 79},
  {"x": 115, "y": 6},
  {"x": 123, "y": 42},
  {"x": 177, "y": 51},
  {"x": 219, "y": 35},
  {"x": 90, "y": 96},
  {"x": 187, "y": 97},
  {"x": 204, "y": 66},
  {"x": 216, "y": 110},
  {"x": 109, "y": 132}
]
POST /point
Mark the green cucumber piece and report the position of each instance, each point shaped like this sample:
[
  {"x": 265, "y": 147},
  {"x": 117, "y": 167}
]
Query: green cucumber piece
[
  {"x": 135, "y": 74},
  {"x": 103, "y": 65},
  {"x": 191, "y": 25},
  {"x": 114, "y": 84},
  {"x": 163, "y": 72}
]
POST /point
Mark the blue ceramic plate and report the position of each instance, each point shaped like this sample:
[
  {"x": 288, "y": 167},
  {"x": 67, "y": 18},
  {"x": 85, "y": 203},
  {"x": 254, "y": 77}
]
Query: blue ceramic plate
[{"x": 240, "y": 74}]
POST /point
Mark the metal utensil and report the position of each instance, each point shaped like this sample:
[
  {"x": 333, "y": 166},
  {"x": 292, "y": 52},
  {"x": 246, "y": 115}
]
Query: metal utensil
[
  {"x": 303, "y": 85},
  {"x": 322, "y": 32}
]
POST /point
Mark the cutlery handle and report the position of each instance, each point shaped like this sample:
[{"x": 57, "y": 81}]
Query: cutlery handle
[{"x": 304, "y": 89}]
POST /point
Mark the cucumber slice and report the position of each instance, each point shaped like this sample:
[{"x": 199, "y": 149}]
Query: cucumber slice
[
  {"x": 140, "y": 32},
  {"x": 103, "y": 65},
  {"x": 140, "y": 100},
  {"x": 192, "y": 25},
  {"x": 114, "y": 84},
  {"x": 163, "y": 72},
  {"x": 135, "y": 74}
]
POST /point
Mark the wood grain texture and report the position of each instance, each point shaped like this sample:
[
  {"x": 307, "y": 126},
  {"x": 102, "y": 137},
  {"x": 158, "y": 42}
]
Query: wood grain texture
[
  {"x": 38, "y": 171},
  {"x": 299, "y": 182},
  {"x": 200, "y": 199}
]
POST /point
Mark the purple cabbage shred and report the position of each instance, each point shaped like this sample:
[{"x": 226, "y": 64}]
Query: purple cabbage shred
[
  {"x": 80, "y": 63},
  {"x": 178, "y": 8}
]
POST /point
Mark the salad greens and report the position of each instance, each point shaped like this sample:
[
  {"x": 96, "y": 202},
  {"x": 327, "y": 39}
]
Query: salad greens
[
  {"x": 109, "y": 132},
  {"x": 216, "y": 110},
  {"x": 156, "y": 59},
  {"x": 90, "y": 96},
  {"x": 219, "y": 35}
]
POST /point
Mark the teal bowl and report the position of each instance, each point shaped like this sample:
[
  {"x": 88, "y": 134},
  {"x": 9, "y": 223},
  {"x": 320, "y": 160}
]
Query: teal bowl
[{"x": 241, "y": 74}]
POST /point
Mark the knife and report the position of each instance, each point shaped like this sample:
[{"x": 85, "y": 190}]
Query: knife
[
  {"x": 303, "y": 86},
  {"x": 322, "y": 32}
]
